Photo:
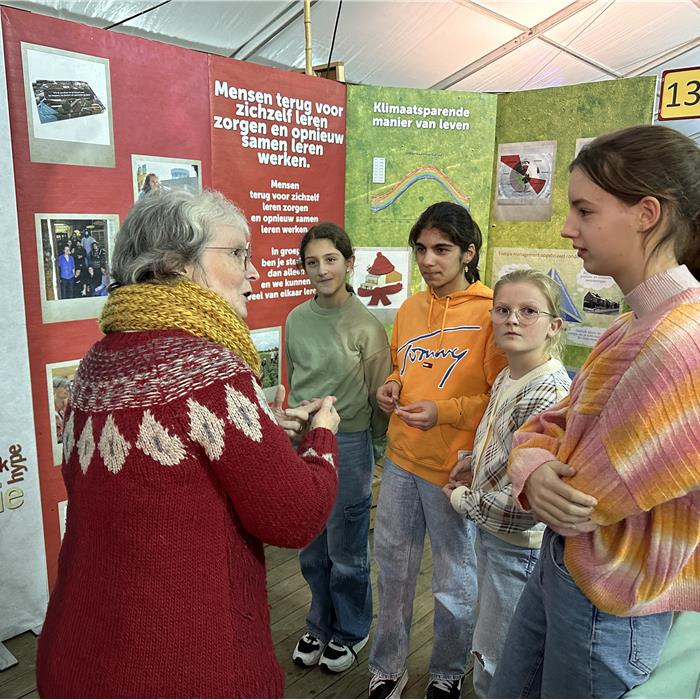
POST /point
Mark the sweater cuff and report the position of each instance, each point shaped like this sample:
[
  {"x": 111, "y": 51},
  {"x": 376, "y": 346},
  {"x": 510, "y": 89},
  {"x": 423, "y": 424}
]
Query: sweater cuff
[
  {"x": 448, "y": 412},
  {"x": 394, "y": 377},
  {"x": 323, "y": 443},
  {"x": 525, "y": 461},
  {"x": 456, "y": 499}
]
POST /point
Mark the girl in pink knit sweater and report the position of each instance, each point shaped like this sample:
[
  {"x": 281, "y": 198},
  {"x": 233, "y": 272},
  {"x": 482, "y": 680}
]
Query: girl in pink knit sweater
[{"x": 614, "y": 469}]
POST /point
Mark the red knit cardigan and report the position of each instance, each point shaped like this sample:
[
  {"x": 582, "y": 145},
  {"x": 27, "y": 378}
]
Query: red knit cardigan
[{"x": 176, "y": 475}]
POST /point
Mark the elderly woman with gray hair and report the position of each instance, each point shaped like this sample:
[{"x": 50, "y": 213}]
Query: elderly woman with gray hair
[{"x": 177, "y": 473}]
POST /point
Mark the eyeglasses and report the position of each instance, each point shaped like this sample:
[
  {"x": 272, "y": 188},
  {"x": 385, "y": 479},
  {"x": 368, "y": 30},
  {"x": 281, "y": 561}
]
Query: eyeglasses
[
  {"x": 526, "y": 316},
  {"x": 241, "y": 255}
]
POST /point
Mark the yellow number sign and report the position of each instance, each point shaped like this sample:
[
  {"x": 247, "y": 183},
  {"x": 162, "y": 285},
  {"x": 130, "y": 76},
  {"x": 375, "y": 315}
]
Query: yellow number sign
[{"x": 680, "y": 94}]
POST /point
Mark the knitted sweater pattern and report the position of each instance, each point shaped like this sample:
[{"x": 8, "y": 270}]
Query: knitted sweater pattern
[
  {"x": 489, "y": 501},
  {"x": 630, "y": 429},
  {"x": 176, "y": 474}
]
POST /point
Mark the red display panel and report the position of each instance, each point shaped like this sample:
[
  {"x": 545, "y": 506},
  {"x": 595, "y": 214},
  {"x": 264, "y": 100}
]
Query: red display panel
[
  {"x": 278, "y": 151},
  {"x": 155, "y": 99}
]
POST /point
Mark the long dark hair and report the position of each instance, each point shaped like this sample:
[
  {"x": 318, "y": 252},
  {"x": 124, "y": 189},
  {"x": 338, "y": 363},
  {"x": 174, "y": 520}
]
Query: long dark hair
[
  {"x": 652, "y": 161},
  {"x": 457, "y": 224},
  {"x": 333, "y": 233}
]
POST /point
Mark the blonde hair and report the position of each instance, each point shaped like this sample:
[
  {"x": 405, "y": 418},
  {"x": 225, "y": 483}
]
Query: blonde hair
[{"x": 550, "y": 290}]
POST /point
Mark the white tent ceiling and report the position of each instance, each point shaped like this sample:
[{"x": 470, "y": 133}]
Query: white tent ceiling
[{"x": 490, "y": 45}]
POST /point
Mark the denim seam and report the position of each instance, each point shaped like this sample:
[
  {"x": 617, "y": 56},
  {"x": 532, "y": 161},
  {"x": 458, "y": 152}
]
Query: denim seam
[
  {"x": 385, "y": 676},
  {"x": 591, "y": 645},
  {"x": 443, "y": 677}
]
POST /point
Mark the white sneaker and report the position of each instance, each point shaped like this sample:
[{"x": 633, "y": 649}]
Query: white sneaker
[
  {"x": 339, "y": 657},
  {"x": 308, "y": 650},
  {"x": 386, "y": 687}
]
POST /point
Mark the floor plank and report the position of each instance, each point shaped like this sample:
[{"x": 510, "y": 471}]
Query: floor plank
[{"x": 289, "y": 600}]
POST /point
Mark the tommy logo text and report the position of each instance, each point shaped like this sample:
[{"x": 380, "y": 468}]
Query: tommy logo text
[{"x": 415, "y": 353}]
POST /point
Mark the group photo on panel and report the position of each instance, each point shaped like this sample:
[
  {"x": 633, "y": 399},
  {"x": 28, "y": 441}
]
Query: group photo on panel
[{"x": 560, "y": 507}]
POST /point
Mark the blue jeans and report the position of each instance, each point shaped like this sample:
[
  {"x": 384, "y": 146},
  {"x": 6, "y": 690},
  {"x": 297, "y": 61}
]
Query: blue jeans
[
  {"x": 502, "y": 571},
  {"x": 336, "y": 563},
  {"x": 408, "y": 505},
  {"x": 560, "y": 645}
]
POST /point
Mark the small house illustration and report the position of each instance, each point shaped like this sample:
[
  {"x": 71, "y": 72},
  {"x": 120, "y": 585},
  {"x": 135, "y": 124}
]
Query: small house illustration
[{"x": 382, "y": 280}]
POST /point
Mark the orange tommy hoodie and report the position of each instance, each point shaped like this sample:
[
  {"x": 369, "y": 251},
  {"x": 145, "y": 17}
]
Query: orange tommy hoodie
[{"x": 442, "y": 350}]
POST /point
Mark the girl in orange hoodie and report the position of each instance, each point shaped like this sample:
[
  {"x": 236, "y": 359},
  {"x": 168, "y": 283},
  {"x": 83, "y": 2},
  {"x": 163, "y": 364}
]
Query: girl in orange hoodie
[{"x": 445, "y": 361}]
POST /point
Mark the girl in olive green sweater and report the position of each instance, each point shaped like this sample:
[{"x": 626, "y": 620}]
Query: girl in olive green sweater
[{"x": 334, "y": 346}]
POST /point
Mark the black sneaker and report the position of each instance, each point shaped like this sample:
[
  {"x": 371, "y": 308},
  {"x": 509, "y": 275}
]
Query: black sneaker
[
  {"x": 308, "y": 650},
  {"x": 338, "y": 657},
  {"x": 387, "y": 687},
  {"x": 595, "y": 304},
  {"x": 444, "y": 689}
]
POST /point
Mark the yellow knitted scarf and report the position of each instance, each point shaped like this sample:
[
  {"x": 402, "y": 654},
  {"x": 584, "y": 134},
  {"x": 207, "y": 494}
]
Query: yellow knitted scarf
[{"x": 182, "y": 305}]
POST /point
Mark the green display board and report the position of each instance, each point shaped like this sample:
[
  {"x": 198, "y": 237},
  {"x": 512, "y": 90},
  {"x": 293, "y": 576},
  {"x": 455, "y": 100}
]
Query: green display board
[
  {"x": 407, "y": 149},
  {"x": 560, "y": 115}
]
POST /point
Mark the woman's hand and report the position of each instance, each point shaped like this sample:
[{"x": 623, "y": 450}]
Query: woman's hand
[
  {"x": 461, "y": 475},
  {"x": 326, "y": 416},
  {"x": 565, "y": 509},
  {"x": 294, "y": 421},
  {"x": 388, "y": 396},
  {"x": 419, "y": 414}
]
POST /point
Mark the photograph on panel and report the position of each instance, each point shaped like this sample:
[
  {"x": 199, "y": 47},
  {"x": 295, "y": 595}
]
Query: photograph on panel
[
  {"x": 69, "y": 107},
  {"x": 161, "y": 173},
  {"x": 59, "y": 380},
  {"x": 268, "y": 342},
  {"x": 524, "y": 181},
  {"x": 73, "y": 251}
]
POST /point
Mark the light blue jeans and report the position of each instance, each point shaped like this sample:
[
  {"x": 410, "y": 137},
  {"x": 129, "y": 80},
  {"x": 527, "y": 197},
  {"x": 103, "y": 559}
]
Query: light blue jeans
[
  {"x": 336, "y": 564},
  {"x": 502, "y": 571},
  {"x": 560, "y": 645},
  {"x": 408, "y": 505}
]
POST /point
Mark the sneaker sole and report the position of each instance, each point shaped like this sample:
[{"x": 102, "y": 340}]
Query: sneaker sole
[
  {"x": 300, "y": 662},
  {"x": 339, "y": 667},
  {"x": 306, "y": 661}
]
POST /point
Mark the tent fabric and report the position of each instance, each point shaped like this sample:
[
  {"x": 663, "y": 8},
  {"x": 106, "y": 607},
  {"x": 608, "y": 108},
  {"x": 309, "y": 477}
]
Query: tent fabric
[{"x": 491, "y": 45}]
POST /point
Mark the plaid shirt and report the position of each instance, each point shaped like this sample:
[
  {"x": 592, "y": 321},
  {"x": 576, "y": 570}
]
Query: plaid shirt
[{"x": 489, "y": 502}]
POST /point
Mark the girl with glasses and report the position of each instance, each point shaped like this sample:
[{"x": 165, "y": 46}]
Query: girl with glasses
[
  {"x": 527, "y": 322},
  {"x": 613, "y": 471}
]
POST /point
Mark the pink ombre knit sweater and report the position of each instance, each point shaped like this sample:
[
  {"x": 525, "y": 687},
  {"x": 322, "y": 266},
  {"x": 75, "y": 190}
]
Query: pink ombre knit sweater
[{"x": 631, "y": 429}]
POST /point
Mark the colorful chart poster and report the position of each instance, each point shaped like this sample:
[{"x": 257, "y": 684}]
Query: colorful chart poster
[
  {"x": 408, "y": 149},
  {"x": 590, "y": 303},
  {"x": 278, "y": 151},
  {"x": 524, "y": 181}
]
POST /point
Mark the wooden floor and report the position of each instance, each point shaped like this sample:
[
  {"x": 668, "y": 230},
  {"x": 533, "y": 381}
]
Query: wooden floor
[{"x": 289, "y": 600}]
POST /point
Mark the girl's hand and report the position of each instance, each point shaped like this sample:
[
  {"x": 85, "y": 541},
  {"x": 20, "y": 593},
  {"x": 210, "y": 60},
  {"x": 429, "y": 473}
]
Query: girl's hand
[
  {"x": 461, "y": 473},
  {"x": 565, "y": 509},
  {"x": 326, "y": 416},
  {"x": 419, "y": 414},
  {"x": 388, "y": 396}
]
